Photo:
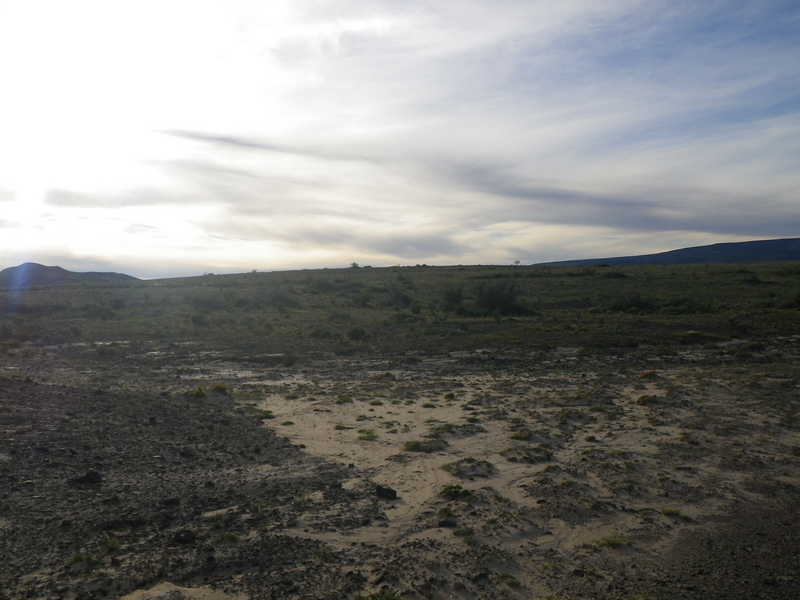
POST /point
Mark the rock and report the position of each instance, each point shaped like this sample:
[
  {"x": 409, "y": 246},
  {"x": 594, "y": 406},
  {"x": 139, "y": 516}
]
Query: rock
[
  {"x": 90, "y": 478},
  {"x": 185, "y": 536},
  {"x": 480, "y": 578},
  {"x": 386, "y": 493}
]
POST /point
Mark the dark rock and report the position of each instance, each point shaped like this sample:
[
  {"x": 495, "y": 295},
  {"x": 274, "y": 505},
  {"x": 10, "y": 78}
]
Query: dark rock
[
  {"x": 90, "y": 478},
  {"x": 483, "y": 576},
  {"x": 386, "y": 493},
  {"x": 185, "y": 536}
]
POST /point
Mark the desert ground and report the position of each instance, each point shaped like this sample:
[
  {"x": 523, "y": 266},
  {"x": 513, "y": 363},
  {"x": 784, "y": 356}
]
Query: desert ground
[{"x": 153, "y": 456}]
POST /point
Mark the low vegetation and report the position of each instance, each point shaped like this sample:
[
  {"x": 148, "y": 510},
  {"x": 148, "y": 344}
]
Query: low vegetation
[{"x": 281, "y": 317}]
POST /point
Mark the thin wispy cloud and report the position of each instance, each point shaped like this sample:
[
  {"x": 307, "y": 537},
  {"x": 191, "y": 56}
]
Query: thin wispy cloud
[{"x": 307, "y": 134}]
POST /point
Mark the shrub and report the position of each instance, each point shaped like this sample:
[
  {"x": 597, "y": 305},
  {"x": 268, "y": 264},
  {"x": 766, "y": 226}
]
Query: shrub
[
  {"x": 452, "y": 429},
  {"x": 399, "y": 298},
  {"x": 452, "y": 297},
  {"x": 453, "y": 491},
  {"x": 198, "y": 320},
  {"x": 631, "y": 303},
  {"x": 113, "y": 544},
  {"x": 613, "y": 542},
  {"x": 647, "y": 400},
  {"x": 469, "y": 467},
  {"x": 425, "y": 446},
  {"x": 367, "y": 435},
  {"x": 83, "y": 558},
  {"x": 289, "y": 360},
  {"x": 356, "y": 334},
  {"x": 793, "y": 301},
  {"x": 526, "y": 453},
  {"x": 499, "y": 297},
  {"x": 208, "y": 302}
]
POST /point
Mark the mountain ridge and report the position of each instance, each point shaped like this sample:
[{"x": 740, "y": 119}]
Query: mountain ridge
[
  {"x": 29, "y": 274},
  {"x": 725, "y": 252}
]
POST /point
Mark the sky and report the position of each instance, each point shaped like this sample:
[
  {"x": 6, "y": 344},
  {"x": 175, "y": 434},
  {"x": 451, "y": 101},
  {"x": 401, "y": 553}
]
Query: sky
[{"x": 166, "y": 138}]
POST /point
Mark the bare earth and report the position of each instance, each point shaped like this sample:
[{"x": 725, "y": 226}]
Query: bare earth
[{"x": 553, "y": 474}]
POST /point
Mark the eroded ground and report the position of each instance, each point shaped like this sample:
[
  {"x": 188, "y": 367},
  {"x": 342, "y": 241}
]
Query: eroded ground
[{"x": 547, "y": 474}]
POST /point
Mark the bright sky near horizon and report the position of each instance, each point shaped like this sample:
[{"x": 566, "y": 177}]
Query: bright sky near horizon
[{"x": 175, "y": 137}]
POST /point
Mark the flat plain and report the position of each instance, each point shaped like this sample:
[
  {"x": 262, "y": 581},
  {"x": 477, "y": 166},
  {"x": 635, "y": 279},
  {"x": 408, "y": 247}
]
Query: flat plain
[{"x": 405, "y": 432}]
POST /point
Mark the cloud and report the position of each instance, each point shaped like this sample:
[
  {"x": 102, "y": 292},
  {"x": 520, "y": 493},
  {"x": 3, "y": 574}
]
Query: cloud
[
  {"x": 140, "y": 228},
  {"x": 228, "y": 141},
  {"x": 471, "y": 131}
]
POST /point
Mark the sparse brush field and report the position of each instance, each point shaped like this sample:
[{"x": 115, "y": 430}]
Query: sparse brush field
[
  {"x": 398, "y": 310},
  {"x": 405, "y": 432}
]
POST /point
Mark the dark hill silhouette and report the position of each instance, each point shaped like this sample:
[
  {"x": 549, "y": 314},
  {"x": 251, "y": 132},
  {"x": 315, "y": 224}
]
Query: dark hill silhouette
[
  {"x": 732, "y": 252},
  {"x": 28, "y": 274}
]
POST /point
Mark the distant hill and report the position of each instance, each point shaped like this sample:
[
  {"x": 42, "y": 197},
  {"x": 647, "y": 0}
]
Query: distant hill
[
  {"x": 733, "y": 252},
  {"x": 28, "y": 274}
]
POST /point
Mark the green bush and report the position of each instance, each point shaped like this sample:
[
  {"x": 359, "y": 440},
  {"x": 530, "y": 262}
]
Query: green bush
[
  {"x": 425, "y": 446},
  {"x": 453, "y": 491},
  {"x": 367, "y": 435},
  {"x": 356, "y": 334},
  {"x": 452, "y": 297},
  {"x": 498, "y": 297}
]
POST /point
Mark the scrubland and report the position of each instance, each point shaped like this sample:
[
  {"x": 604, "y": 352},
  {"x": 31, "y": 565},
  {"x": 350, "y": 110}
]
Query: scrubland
[{"x": 544, "y": 432}]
